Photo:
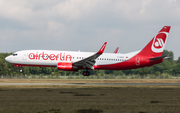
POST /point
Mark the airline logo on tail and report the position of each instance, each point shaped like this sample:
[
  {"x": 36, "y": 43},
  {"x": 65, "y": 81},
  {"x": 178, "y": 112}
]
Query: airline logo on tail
[{"x": 159, "y": 42}]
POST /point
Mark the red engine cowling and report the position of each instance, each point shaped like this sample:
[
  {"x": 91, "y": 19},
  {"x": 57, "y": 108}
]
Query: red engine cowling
[
  {"x": 65, "y": 66},
  {"x": 17, "y": 65}
]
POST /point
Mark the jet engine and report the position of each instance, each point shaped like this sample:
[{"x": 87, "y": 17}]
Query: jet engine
[{"x": 65, "y": 66}]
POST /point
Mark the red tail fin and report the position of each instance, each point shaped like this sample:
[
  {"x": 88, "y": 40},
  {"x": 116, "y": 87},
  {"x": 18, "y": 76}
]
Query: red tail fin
[{"x": 156, "y": 46}]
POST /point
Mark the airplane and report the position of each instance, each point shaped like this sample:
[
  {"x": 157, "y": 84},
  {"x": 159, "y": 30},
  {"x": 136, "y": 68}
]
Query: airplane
[{"x": 73, "y": 61}]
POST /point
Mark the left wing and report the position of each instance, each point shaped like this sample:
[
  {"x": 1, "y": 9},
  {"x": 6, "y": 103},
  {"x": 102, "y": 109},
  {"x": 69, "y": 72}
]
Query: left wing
[{"x": 90, "y": 61}]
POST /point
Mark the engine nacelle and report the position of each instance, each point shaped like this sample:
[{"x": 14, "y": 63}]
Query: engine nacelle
[
  {"x": 65, "y": 66},
  {"x": 17, "y": 65}
]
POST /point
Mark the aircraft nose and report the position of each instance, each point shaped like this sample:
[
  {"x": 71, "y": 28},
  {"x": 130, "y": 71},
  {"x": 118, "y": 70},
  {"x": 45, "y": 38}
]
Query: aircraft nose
[{"x": 8, "y": 59}]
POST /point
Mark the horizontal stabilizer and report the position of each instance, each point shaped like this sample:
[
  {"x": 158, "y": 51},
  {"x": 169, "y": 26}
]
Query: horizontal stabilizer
[{"x": 158, "y": 58}]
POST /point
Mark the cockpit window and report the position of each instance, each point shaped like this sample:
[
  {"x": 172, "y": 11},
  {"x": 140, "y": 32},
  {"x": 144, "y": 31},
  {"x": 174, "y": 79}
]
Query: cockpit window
[{"x": 14, "y": 54}]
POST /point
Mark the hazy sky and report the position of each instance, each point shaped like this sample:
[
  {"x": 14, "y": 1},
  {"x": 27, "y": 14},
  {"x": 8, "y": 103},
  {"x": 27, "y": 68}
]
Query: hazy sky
[{"x": 86, "y": 24}]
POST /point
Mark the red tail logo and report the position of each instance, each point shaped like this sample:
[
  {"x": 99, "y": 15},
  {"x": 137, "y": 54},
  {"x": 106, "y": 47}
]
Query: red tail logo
[{"x": 159, "y": 42}]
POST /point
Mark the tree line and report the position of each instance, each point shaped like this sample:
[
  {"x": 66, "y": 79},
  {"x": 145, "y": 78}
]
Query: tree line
[{"x": 168, "y": 66}]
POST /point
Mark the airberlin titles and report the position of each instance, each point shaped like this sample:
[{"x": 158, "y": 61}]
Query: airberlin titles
[{"x": 45, "y": 56}]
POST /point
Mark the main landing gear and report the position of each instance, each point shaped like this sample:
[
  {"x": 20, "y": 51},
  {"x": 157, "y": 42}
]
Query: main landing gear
[{"x": 86, "y": 73}]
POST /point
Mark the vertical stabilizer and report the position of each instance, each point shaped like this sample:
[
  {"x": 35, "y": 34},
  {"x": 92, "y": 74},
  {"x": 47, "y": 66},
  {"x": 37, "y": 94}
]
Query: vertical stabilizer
[{"x": 156, "y": 46}]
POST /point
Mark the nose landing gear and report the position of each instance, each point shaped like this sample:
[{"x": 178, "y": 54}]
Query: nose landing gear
[
  {"x": 18, "y": 65},
  {"x": 21, "y": 70}
]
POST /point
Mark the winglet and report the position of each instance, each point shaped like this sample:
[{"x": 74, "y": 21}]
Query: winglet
[
  {"x": 102, "y": 48},
  {"x": 116, "y": 50}
]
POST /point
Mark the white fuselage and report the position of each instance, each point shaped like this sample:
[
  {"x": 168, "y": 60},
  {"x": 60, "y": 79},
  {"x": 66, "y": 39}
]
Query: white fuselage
[{"x": 51, "y": 58}]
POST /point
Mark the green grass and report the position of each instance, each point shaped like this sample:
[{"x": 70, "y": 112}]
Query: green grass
[
  {"x": 90, "y": 100},
  {"x": 89, "y": 80}
]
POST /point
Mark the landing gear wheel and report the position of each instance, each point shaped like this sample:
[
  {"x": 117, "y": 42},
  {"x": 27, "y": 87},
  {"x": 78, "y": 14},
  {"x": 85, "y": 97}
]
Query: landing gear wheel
[
  {"x": 21, "y": 70},
  {"x": 86, "y": 73}
]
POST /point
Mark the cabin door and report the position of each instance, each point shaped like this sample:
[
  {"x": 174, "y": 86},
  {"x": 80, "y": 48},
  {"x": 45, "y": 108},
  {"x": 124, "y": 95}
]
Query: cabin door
[{"x": 24, "y": 56}]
